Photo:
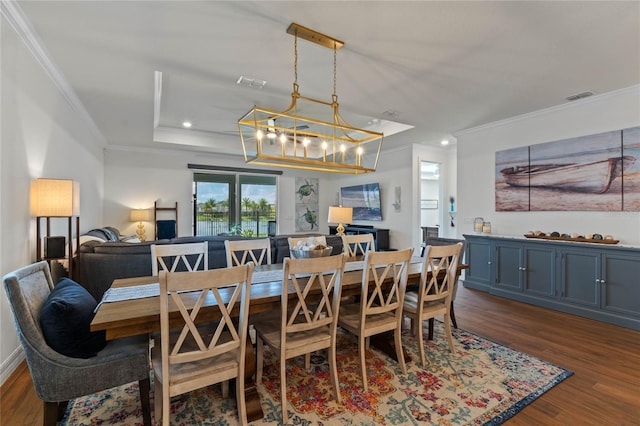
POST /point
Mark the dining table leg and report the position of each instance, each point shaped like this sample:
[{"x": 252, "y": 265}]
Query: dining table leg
[
  {"x": 386, "y": 344},
  {"x": 251, "y": 395}
]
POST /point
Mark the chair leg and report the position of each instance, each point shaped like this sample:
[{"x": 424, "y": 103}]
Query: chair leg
[
  {"x": 166, "y": 406},
  {"x": 307, "y": 361},
  {"x": 363, "y": 363},
  {"x": 447, "y": 330},
  {"x": 421, "y": 344},
  {"x": 225, "y": 389},
  {"x": 145, "y": 385},
  {"x": 452, "y": 315},
  {"x": 334, "y": 372},
  {"x": 242, "y": 404},
  {"x": 399, "y": 351},
  {"x": 62, "y": 409},
  {"x": 431, "y": 323},
  {"x": 157, "y": 398},
  {"x": 50, "y": 413},
  {"x": 260, "y": 360},
  {"x": 283, "y": 387}
]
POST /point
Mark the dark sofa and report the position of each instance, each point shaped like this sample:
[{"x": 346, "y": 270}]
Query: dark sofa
[{"x": 100, "y": 263}]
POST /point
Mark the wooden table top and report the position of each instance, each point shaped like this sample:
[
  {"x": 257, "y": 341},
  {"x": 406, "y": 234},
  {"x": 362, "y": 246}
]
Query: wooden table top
[{"x": 141, "y": 316}]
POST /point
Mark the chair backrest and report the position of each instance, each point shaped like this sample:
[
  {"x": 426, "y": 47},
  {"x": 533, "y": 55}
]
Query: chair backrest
[
  {"x": 318, "y": 239},
  {"x": 377, "y": 295},
  {"x": 193, "y": 256},
  {"x": 305, "y": 312},
  {"x": 358, "y": 245},
  {"x": 189, "y": 291},
  {"x": 439, "y": 273},
  {"x": 257, "y": 251},
  {"x": 441, "y": 241}
]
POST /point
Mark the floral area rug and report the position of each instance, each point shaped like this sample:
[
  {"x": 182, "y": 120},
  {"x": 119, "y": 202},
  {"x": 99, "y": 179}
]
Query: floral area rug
[{"x": 482, "y": 383}]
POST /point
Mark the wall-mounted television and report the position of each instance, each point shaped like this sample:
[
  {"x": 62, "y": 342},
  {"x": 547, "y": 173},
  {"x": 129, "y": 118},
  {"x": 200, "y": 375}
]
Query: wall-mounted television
[{"x": 365, "y": 200}]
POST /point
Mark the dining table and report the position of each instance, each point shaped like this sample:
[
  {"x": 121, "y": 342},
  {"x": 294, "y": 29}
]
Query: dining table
[{"x": 131, "y": 307}]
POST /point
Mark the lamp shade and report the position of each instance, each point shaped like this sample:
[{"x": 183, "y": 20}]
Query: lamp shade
[
  {"x": 339, "y": 214},
  {"x": 55, "y": 198},
  {"x": 140, "y": 215}
]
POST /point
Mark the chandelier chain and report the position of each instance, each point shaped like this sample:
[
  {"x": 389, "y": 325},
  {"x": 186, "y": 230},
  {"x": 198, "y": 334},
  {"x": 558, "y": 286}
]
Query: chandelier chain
[
  {"x": 334, "y": 69},
  {"x": 295, "y": 59}
]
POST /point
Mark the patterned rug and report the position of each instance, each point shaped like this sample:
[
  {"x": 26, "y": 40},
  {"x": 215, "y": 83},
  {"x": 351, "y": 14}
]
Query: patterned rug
[{"x": 483, "y": 383}]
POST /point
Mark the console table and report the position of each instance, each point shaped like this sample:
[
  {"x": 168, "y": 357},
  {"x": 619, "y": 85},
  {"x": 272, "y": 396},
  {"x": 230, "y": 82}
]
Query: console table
[
  {"x": 597, "y": 281},
  {"x": 380, "y": 236}
]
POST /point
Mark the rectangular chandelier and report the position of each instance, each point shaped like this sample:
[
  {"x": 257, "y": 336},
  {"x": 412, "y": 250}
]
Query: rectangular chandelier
[{"x": 310, "y": 134}]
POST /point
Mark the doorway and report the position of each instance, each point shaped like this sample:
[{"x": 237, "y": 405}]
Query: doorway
[{"x": 429, "y": 199}]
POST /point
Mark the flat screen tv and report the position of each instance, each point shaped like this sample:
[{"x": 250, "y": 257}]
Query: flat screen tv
[{"x": 365, "y": 200}]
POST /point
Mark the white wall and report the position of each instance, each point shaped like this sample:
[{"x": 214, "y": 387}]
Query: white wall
[
  {"x": 137, "y": 178},
  {"x": 42, "y": 135},
  {"x": 476, "y": 158}
]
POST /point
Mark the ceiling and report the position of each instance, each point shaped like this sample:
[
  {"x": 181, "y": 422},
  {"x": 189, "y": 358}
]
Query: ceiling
[{"x": 440, "y": 67}]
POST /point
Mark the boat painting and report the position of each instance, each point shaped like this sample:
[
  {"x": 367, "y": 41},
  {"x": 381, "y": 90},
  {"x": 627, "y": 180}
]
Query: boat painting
[{"x": 593, "y": 177}]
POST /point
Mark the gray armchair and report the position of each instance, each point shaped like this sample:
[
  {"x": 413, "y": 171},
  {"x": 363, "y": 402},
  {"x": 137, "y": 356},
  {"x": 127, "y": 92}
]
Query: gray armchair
[{"x": 56, "y": 377}]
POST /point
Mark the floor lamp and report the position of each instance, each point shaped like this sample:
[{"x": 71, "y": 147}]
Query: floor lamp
[{"x": 56, "y": 198}]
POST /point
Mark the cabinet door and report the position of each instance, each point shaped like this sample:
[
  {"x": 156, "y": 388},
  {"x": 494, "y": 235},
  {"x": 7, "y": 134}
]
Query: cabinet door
[
  {"x": 620, "y": 284},
  {"x": 580, "y": 277},
  {"x": 479, "y": 258},
  {"x": 508, "y": 266},
  {"x": 539, "y": 271}
]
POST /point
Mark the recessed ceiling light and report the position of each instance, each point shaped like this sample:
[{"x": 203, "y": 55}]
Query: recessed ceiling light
[
  {"x": 444, "y": 142},
  {"x": 186, "y": 124}
]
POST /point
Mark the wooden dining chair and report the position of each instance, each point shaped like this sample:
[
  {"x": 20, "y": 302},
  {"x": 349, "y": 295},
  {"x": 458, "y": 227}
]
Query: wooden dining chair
[
  {"x": 192, "y": 257},
  {"x": 434, "y": 294},
  {"x": 384, "y": 282},
  {"x": 308, "y": 321},
  {"x": 194, "y": 356},
  {"x": 358, "y": 244},
  {"x": 240, "y": 252}
]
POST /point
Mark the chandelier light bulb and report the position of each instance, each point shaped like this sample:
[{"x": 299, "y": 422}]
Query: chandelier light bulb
[{"x": 283, "y": 138}]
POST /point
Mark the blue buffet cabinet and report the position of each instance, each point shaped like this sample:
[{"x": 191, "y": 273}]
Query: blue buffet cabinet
[{"x": 598, "y": 281}]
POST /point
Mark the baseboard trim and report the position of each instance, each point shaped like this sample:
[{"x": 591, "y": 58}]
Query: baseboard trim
[{"x": 11, "y": 364}]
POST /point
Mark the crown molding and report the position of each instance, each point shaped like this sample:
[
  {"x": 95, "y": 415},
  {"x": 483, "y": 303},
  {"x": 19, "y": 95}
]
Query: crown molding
[
  {"x": 544, "y": 111},
  {"x": 14, "y": 16}
]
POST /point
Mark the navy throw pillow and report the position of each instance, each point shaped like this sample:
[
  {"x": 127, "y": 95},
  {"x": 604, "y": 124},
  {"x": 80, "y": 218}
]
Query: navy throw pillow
[{"x": 65, "y": 318}]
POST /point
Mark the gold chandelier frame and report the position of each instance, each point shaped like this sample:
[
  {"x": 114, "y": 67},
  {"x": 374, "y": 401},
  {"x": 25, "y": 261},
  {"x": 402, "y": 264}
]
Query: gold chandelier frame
[{"x": 288, "y": 139}]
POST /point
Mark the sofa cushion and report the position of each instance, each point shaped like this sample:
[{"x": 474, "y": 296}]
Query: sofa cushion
[{"x": 65, "y": 318}]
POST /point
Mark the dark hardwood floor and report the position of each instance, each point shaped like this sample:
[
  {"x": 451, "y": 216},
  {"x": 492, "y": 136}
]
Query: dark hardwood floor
[{"x": 605, "y": 360}]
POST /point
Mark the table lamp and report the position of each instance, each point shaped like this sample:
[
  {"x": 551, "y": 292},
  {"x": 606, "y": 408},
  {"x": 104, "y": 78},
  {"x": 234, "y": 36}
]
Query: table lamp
[
  {"x": 140, "y": 215},
  {"x": 340, "y": 215}
]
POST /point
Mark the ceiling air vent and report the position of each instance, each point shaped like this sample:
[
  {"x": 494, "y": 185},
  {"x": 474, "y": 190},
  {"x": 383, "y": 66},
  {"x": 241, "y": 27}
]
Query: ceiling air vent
[
  {"x": 579, "y": 96},
  {"x": 250, "y": 82}
]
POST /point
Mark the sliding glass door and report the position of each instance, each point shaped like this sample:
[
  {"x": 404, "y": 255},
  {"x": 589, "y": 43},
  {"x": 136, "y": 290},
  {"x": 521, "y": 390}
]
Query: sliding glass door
[{"x": 233, "y": 204}]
